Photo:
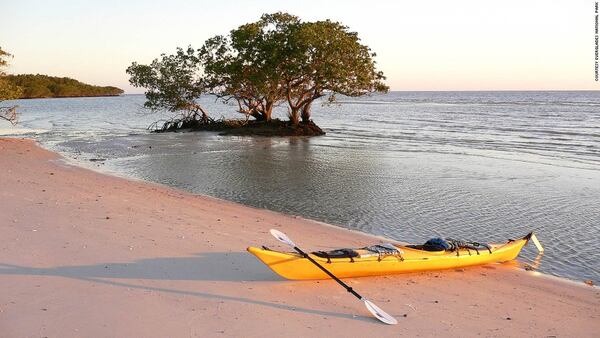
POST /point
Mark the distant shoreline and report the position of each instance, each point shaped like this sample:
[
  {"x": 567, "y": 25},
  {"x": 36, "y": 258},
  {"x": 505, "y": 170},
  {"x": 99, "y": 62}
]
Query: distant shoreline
[
  {"x": 31, "y": 86},
  {"x": 70, "y": 97}
]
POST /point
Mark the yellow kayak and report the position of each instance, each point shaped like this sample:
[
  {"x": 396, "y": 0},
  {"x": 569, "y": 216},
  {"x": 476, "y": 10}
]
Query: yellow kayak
[{"x": 385, "y": 260}]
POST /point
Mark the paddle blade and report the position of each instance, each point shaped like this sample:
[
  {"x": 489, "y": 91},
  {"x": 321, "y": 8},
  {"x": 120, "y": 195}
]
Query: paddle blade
[
  {"x": 282, "y": 237},
  {"x": 537, "y": 243},
  {"x": 379, "y": 313}
]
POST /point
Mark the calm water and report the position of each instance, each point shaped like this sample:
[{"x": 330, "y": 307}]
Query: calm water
[{"x": 485, "y": 166}]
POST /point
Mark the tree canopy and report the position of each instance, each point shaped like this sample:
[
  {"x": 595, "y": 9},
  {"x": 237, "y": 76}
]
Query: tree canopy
[
  {"x": 173, "y": 83},
  {"x": 8, "y": 91},
  {"x": 325, "y": 58},
  {"x": 246, "y": 64},
  {"x": 277, "y": 60}
]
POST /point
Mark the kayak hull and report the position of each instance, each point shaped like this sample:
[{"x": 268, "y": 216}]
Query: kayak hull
[{"x": 293, "y": 266}]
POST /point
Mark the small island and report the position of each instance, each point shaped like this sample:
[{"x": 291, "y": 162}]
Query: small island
[
  {"x": 36, "y": 86},
  {"x": 277, "y": 61}
]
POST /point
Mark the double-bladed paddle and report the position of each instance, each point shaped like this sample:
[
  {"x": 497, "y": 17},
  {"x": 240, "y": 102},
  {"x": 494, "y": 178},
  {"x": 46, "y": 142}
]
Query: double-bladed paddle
[{"x": 374, "y": 309}]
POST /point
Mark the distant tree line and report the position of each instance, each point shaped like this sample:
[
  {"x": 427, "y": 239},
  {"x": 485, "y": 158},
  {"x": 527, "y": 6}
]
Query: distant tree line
[
  {"x": 44, "y": 86},
  {"x": 278, "y": 60}
]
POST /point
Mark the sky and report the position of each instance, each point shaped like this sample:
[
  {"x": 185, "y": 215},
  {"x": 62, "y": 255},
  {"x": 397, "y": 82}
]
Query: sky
[{"x": 420, "y": 45}]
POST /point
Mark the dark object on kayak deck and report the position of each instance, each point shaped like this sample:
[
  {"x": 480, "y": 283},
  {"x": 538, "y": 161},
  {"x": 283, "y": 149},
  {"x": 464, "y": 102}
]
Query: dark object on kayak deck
[{"x": 434, "y": 244}]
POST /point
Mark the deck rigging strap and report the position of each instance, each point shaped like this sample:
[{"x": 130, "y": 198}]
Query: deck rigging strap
[
  {"x": 338, "y": 253},
  {"x": 457, "y": 244},
  {"x": 384, "y": 250}
]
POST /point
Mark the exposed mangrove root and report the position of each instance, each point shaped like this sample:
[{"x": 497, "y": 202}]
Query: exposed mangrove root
[{"x": 240, "y": 127}]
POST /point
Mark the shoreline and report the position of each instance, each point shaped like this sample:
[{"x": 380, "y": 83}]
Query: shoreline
[
  {"x": 105, "y": 171},
  {"x": 100, "y": 168},
  {"x": 94, "y": 255}
]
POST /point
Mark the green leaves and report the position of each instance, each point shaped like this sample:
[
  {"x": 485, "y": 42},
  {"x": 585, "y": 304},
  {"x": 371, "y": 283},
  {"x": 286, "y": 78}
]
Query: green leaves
[
  {"x": 172, "y": 82},
  {"x": 333, "y": 60}
]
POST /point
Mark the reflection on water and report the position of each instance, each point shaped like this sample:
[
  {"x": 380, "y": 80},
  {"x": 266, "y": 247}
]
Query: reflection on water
[
  {"x": 535, "y": 264},
  {"x": 410, "y": 166}
]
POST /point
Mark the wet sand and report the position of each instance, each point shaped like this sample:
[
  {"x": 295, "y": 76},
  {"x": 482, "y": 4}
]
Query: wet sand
[{"x": 90, "y": 255}]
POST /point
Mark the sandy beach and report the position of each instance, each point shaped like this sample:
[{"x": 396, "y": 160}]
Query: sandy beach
[{"x": 85, "y": 254}]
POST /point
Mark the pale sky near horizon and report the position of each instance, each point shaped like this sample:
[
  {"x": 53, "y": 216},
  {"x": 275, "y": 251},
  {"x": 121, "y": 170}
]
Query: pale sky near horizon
[{"x": 426, "y": 45}]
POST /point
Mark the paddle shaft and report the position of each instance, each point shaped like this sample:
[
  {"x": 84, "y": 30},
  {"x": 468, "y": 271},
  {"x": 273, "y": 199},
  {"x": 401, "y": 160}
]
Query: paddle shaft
[{"x": 348, "y": 288}]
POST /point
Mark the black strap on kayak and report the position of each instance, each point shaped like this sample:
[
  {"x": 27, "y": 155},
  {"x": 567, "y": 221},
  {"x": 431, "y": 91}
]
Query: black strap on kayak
[
  {"x": 350, "y": 253},
  {"x": 487, "y": 246},
  {"x": 456, "y": 245},
  {"x": 323, "y": 254},
  {"x": 477, "y": 245},
  {"x": 338, "y": 253}
]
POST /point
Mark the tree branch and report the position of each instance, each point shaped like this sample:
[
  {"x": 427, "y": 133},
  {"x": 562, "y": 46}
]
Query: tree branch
[{"x": 9, "y": 114}]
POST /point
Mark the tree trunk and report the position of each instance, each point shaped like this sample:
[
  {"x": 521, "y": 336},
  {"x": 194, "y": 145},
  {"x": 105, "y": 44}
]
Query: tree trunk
[
  {"x": 294, "y": 116},
  {"x": 306, "y": 112},
  {"x": 268, "y": 111},
  {"x": 204, "y": 117},
  {"x": 196, "y": 108}
]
